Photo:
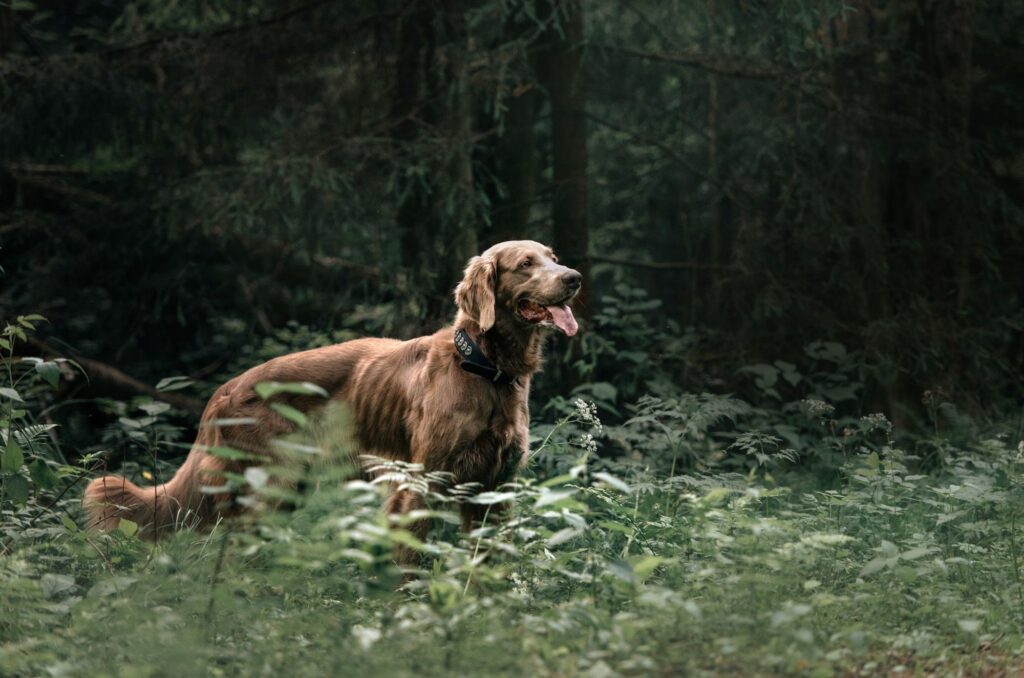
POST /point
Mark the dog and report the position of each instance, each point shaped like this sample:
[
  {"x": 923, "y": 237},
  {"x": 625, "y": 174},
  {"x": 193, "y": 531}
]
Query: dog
[{"x": 455, "y": 401}]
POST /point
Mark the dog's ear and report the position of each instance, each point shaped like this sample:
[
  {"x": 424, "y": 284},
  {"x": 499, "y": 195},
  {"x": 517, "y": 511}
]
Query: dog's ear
[{"x": 475, "y": 294}]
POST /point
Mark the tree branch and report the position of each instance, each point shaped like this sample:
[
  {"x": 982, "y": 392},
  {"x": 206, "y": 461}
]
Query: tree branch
[
  {"x": 669, "y": 151},
  {"x": 262, "y": 23},
  {"x": 720, "y": 64},
  {"x": 663, "y": 265}
]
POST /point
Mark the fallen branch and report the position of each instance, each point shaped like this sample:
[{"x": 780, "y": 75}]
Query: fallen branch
[
  {"x": 119, "y": 382},
  {"x": 62, "y": 188}
]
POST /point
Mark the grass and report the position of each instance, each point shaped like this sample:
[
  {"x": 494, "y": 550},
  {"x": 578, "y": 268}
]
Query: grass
[{"x": 638, "y": 565}]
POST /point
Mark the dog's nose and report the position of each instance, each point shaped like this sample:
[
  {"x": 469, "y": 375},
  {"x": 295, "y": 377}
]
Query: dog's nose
[{"x": 572, "y": 279}]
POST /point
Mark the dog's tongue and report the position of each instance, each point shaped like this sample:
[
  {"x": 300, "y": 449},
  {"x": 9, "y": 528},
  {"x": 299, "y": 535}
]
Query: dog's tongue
[{"x": 563, "y": 318}]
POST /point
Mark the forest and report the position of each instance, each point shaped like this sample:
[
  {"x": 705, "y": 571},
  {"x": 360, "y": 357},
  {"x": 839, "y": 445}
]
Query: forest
[{"x": 788, "y": 438}]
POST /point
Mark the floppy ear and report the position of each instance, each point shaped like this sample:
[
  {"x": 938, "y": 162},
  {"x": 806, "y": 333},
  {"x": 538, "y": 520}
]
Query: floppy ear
[{"x": 475, "y": 294}]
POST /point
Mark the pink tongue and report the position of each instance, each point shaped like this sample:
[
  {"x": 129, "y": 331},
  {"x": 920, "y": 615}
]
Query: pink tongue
[{"x": 563, "y": 319}]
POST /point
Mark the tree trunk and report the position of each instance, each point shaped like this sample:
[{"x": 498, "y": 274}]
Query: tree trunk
[
  {"x": 561, "y": 75},
  {"x": 461, "y": 241},
  {"x": 414, "y": 228},
  {"x": 514, "y": 159},
  {"x": 7, "y": 19},
  {"x": 516, "y": 168},
  {"x": 433, "y": 113}
]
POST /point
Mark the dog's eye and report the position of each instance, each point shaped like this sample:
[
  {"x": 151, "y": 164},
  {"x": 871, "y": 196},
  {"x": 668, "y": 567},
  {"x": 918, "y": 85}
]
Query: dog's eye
[{"x": 526, "y": 263}]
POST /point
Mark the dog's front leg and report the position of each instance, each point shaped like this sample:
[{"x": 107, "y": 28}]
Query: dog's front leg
[
  {"x": 489, "y": 468},
  {"x": 405, "y": 501}
]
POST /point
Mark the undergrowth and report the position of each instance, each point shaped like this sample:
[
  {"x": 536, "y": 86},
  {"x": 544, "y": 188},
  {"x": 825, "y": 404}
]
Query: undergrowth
[{"x": 700, "y": 535}]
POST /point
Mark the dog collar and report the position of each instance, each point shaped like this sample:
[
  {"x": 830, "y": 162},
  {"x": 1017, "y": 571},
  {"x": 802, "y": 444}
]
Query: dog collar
[{"x": 474, "y": 360}]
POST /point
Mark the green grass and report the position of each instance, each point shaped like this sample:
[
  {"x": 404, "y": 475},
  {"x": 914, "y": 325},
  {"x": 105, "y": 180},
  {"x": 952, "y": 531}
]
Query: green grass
[{"x": 604, "y": 567}]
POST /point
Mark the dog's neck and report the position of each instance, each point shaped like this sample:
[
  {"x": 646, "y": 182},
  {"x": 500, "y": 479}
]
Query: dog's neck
[{"x": 515, "y": 350}]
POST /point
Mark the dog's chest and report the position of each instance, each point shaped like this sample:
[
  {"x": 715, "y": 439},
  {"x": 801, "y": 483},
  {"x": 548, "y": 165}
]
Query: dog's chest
[{"x": 508, "y": 423}]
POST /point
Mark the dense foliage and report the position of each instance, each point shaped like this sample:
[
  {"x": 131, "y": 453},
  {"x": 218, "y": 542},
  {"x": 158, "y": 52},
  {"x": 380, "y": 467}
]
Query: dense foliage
[
  {"x": 701, "y": 550},
  {"x": 787, "y": 440}
]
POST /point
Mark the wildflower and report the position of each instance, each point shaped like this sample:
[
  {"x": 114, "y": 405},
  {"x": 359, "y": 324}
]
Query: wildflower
[
  {"x": 818, "y": 408},
  {"x": 876, "y": 422},
  {"x": 587, "y": 413},
  {"x": 588, "y": 443}
]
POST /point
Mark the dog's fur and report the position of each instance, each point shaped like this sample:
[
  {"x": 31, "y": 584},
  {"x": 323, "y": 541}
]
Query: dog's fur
[{"x": 409, "y": 399}]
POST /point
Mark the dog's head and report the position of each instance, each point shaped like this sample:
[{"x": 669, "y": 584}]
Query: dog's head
[{"x": 519, "y": 284}]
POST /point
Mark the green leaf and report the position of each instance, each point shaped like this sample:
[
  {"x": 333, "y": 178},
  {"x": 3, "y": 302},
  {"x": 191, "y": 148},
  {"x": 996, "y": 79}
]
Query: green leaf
[
  {"x": 155, "y": 408},
  {"x": 905, "y": 573},
  {"x": 127, "y": 527},
  {"x": 13, "y": 459},
  {"x": 68, "y": 523},
  {"x": 488, "y": 498},
  {"x": 557, "y": 480},
  {"x": 876, "y": 565},
  {"x": 106, "y": 587},
  {"x": 225, "y": 452},
  {"x": 16, "y": 489},
  {"x": 621, "y": 569},
  {"x": 716, "y": 496},
  {"x": 50, "y": 372},
  {"x": 826, "y": 350},
  {"x": 839, "y": 393},
  {"x": 553, "y": 497},
  {"x": 11, "y": 393},
  {"x": 173, "y": 383},
  {"x": 915, "y": 553},
  {"x": 643, "y": 567},
  {"x": 52, "y": 584},
  {"x": 765, "y": 376},
  {"x": 290, "y": 413},
  {"x": 42, "y": 475},
  {"x": 602, "y": 390},
  {"x": 564, "y": 535},
  {"x": 619, "y": 485},
  {"x": 268, "y": 388}
]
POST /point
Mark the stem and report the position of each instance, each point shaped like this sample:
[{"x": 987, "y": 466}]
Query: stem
[
  {"x": 558, "y": 424},
  {"x": 1014, "y": 558},
  {"x": 476, "y": 550},
  {"x": 216, "y": 574}
]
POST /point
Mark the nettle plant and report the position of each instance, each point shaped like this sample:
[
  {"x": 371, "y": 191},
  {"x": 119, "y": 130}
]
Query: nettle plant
[{"x": 31, "y": 464}]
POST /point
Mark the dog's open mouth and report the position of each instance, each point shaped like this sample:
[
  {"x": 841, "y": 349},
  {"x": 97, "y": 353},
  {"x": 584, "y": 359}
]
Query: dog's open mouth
[{"x": 559, "y": 315}]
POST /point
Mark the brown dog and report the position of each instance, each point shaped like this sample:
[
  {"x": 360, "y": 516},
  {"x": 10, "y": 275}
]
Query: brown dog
[{"x": 455, "y": 401}]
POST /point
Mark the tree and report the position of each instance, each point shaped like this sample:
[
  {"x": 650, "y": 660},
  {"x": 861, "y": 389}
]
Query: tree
[{"x": 560, "y": 72}]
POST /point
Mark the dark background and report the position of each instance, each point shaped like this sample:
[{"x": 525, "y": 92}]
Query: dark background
[{"x": 753, "y": 189}]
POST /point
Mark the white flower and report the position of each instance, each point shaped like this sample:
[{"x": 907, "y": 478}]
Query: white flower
[
  {"x": 876, "y": 422},
  {"x": 588, "y": 443},
  {"x": 818, "y": 408},
  {"x": 587, "y": 413}
]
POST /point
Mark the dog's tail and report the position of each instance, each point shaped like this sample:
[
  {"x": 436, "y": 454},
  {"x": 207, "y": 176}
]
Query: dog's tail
[
  {"x": 159, "y": 509},
  {"x": 154, "y": 510}
]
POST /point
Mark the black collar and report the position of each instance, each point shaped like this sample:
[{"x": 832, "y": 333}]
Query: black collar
[{"x": 476, "y": 362}]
